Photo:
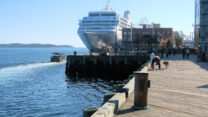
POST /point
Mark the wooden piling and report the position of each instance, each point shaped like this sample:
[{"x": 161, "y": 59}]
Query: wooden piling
[
  {"x": 105, "y": 67},
  {"x": 141, "y": 90}
]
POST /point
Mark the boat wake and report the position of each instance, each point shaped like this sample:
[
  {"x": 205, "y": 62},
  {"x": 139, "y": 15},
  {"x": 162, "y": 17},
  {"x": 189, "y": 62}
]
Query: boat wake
[
  {"x": 28, "y": 66},
  {"x": 23, "y": 71}
]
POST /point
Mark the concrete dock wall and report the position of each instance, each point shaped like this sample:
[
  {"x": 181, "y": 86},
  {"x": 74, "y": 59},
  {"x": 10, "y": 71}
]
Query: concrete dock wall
[{"x": 114, "y": 104}]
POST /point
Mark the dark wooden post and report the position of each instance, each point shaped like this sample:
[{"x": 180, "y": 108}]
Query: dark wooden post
[{"x": 141, "y": 90}]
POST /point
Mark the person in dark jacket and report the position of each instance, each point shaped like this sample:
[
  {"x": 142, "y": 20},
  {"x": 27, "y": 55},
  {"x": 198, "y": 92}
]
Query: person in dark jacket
[
  {"x": 157, "y": 61},
  {"x": 184, "y": 53},
  {"x": 167, "y": 52}
]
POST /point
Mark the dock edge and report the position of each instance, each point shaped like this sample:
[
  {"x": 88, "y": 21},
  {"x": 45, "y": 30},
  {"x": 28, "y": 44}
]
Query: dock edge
[{"x": 110, "y": 108}]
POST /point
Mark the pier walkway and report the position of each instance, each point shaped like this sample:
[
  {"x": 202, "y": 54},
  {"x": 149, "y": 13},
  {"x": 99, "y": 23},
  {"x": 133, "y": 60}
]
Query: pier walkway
[{"x": 179, "y": 91}]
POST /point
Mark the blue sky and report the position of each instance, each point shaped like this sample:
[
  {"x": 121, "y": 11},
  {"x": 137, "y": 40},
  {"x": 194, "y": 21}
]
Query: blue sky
[{"x": 56, "y": 21}]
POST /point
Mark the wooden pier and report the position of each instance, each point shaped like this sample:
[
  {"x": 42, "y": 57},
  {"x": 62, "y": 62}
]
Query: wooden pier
[
  {"x": 107, "y": 67},
  {"x": 179, "y": 91}
]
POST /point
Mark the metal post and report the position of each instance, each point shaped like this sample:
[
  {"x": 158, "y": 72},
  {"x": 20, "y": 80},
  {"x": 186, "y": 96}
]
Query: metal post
[{"x": 141, "y": 90}]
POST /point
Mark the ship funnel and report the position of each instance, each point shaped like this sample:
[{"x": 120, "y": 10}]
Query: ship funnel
[{"x": 127, "y": 15}]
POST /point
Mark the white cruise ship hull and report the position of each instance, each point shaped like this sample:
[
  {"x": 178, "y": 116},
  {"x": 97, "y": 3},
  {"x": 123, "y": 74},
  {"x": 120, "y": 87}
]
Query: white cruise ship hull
[
  {"x": 100, "y": 40},
  {"x": 102, "y": 30}
]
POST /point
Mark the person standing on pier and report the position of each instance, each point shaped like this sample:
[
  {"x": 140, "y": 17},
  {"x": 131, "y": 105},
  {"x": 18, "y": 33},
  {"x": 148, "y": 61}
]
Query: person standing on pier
[
  {"x": 162, "y": 52},
  {"x": 167, "y": 52},
  {"x": 184, "y": 52},
  {"x": 152, "y": 56},
  {"x": 187, "y": 53}
]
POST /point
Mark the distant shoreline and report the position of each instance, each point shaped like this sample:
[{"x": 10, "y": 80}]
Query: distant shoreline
[{"x": 19, "y": 45}]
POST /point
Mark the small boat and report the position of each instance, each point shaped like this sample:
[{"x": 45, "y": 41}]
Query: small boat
[{"x": 58, "y": 57}]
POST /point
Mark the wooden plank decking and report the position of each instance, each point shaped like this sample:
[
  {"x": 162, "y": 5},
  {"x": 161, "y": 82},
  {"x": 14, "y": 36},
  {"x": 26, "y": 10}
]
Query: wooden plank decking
[{"x": 179, "y": 91}]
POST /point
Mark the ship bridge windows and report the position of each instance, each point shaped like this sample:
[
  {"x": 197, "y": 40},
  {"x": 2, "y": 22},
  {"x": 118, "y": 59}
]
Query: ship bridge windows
[
  {"x": 94, "y": 14},
  {"x": 109, "y": 21},
  {"x": 100, "y": 25},
  {"x": 96, "y": 28},
  {"x": 112, "y": 14},
  {"x": 103, "y": 14}
]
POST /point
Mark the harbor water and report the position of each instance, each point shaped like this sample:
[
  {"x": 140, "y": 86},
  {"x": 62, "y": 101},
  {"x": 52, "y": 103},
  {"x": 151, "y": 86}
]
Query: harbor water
[{"x": 31, "y": 86}]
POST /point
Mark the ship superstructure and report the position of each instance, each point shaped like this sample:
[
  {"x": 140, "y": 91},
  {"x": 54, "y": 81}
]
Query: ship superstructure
[{"x": 102, "y": 29}]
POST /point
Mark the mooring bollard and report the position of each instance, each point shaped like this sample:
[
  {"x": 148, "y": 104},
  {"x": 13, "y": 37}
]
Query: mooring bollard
[
  {"x": 107, "y": 96},
  {"x": 141, "y": 90},
  {"x": 118, "y": 87},
  {"x": 89, "y": 111}
]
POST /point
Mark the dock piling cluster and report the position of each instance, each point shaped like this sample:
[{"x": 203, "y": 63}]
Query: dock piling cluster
[{"x": 106, "y": 67}]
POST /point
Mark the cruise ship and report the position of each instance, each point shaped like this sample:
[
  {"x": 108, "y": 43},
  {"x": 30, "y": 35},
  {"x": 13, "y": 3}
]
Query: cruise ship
[{"x": 102, "y": 29}]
